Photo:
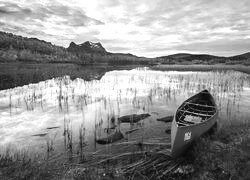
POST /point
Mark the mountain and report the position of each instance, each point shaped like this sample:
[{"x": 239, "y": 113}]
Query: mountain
[
  {"x": 87, "y": 47},
  {"x": 94, "y": 48},
  {"x": 188, "y": 57},
  {"x": 17, "y": 48},
  {"x": 185, "y": 58},
  {"x": 98, "y": 54}
]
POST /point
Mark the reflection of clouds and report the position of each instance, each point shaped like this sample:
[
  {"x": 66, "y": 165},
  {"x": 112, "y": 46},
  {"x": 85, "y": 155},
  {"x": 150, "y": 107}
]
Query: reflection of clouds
[{"x": 35, "y": 107}]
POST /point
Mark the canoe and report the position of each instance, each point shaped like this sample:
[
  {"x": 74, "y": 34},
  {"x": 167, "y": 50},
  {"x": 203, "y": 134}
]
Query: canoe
[{"x": 194, "y": 117}]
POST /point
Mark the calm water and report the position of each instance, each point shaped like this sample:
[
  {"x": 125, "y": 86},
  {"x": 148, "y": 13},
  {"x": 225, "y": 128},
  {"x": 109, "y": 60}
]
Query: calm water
[{"x": 56, "y": 114}]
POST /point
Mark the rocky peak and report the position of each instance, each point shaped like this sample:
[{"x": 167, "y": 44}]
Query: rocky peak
[
  {"x": 87, "y": 47},
  {"x": 94, "y": 46}
]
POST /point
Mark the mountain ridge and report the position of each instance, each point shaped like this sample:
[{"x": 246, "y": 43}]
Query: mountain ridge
[{"x": 18, "y": 48}]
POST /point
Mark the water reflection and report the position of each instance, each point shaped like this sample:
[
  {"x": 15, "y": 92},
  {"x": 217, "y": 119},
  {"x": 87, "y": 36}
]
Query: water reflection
[{"x": 61, "y": 115}]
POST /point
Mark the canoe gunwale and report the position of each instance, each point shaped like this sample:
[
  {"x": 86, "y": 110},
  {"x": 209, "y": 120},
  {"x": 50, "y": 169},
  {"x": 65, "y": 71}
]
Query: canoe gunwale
[{"x": 187, "y": 102}]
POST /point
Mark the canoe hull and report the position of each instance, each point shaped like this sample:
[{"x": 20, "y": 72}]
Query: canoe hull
[{"x": 182, "y": 137}]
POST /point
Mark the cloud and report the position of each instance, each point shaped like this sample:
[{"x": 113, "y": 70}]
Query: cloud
[
  {"x": 13, "y": 10},
  {"x": 141, "y": 27},
  {"x": 64, "y": 14}
]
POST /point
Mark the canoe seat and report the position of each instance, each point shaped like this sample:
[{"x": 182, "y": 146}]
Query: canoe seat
[
  {"x": 202, "y": 105},
  {"x": 182, "y": 124},
  {"x": 193, "y": 119},
  {"x": 198, "y": 114}
]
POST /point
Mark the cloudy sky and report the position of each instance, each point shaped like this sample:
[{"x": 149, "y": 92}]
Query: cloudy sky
[{"x": 142, "y": 27}]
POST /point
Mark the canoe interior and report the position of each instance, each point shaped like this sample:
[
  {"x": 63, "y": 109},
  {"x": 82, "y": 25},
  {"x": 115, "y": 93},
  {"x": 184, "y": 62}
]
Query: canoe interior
[{"x": 198, "y": 109}]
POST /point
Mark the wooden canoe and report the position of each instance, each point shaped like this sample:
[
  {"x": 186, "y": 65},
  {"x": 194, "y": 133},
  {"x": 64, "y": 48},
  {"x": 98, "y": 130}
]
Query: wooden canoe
[{"x": 194, "y": 117}]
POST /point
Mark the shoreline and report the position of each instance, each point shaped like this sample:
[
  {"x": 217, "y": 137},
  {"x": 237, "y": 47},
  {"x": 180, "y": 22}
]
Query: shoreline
[
  {"x": 201, "y": 67},
  {"x": 223, "y": 154}
]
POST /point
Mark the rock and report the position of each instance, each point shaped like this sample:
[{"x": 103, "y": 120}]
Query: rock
[
  {"x": 218, "y": 146},
  {"x": 168, "y": 131},
  {"x": 131, "y": 130},
  {"x": 111, "y": 138},
  {"x": 184, "y": 170},
  {"x": 133, "y": 118},
  {"x": 166, "y": 119}
]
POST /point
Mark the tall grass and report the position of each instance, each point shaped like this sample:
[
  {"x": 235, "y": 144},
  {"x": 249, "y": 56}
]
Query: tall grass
[{"x": 223, "y": 155}]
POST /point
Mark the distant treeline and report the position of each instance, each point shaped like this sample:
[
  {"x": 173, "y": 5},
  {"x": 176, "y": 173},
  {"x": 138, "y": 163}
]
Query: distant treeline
[
  {"x": 204, "y": 59},
  {"x": 17, "y": 48}
]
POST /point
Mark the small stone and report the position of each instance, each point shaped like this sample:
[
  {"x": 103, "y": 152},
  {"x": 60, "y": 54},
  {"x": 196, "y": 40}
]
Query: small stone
[
  {"x": 217, "y": 146},
  {"x": 186, "y": 169}
]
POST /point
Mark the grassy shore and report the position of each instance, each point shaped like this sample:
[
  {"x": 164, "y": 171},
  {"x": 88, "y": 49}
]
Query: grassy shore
[
  {"x": 223, "y": 155},
  {"x": 198, "y": 67}
]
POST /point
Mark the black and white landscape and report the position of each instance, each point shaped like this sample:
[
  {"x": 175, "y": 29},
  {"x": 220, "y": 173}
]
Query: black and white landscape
[{"x": 107, "y": 89}]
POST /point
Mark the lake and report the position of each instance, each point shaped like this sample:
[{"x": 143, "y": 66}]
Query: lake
[{"x": 63, "y": 115}]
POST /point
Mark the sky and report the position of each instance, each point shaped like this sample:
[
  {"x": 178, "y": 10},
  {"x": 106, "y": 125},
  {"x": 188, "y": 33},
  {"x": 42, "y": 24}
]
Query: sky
[{"x": 148, "y": 28}]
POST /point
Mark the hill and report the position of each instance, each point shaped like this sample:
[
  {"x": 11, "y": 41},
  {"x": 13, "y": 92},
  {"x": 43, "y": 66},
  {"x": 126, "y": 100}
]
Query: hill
[
  {"x": 185, "y": 58},
  {"x": 241, "y": 56},
  {"x": 17, "y": 48}
]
